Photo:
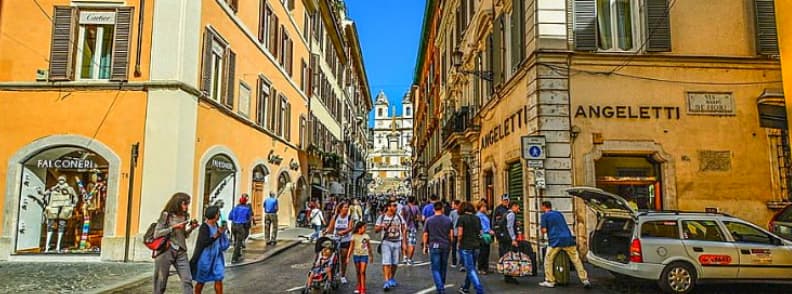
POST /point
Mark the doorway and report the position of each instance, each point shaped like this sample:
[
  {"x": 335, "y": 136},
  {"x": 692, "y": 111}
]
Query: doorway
[{"x": 636, "y": 178}]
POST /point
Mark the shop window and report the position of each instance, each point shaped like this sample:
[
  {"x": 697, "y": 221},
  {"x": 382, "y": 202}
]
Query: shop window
[
  {"x": 90, "y": 44},
  {"x": 635, "y": 178},
  {"x": 62, "y": 202},
  {"x": 702, "y": 231},
  {"x": 220, "y": 183}
]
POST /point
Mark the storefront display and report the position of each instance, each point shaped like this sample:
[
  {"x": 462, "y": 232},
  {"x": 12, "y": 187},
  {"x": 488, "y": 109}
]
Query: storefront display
[
  {"x": 220, "y": 183},
  {"x": 634, "y": 178},
  {"x": 62, "y": 202}
]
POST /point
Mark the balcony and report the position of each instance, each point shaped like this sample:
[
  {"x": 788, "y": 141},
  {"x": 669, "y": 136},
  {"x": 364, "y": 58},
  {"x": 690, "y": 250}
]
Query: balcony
[{"x": 458, "y": 123}]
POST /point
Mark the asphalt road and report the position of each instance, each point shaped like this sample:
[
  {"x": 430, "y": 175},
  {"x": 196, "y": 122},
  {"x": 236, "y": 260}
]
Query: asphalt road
[{"x": 286, "y": 273}]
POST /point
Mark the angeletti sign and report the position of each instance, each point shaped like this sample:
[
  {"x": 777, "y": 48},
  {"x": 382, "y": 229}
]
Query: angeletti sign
[
  {"x": 503, "y": 129},
  {"x": 701, "y": 103},
  {"x": 627, "y": 111}
]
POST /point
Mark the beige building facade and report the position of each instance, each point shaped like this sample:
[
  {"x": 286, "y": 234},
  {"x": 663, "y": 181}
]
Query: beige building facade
[{"x": 646, "y": 99}]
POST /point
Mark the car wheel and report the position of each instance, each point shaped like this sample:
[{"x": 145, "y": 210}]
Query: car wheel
[{"x": 678, "y": 277}]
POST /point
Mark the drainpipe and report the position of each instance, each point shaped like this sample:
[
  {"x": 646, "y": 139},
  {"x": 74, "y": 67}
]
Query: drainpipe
[
  {"x": 141, "y": 14},
  {"x": 132, "y": 165}
]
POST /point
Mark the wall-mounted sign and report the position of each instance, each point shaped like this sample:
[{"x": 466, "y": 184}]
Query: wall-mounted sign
[
  {"x": 221, "y": 163},
  {"x": 533, "y": 147},
  {"x": 70, "y": 163},
  {"x": 503, "y": 129},
  {"x": 627, "y": 111},
  {"x": 701, "y": 103},
  {"x": 98, "y": 17}
]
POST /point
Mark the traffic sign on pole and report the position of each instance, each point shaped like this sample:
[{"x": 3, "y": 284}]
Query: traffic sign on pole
[{"x": 533, "y": 147}]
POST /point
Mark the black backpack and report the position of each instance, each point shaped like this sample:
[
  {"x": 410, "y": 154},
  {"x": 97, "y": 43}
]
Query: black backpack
[{"x": 500, "y": 227}]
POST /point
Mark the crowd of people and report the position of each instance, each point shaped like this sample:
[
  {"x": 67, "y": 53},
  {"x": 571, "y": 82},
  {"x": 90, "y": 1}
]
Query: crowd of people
[{"x": 456, "y": 234}]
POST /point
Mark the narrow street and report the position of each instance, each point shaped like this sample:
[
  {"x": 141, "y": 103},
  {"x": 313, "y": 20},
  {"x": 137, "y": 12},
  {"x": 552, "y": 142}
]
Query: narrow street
[{"x": 285, "y": 273}]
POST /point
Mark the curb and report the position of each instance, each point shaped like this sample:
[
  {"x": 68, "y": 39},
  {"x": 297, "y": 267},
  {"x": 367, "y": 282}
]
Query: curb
[{"x": 136, "y": 280}]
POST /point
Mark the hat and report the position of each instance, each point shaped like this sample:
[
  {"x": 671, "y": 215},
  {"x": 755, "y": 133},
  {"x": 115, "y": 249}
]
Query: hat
[{"x": 505, "y": 197}]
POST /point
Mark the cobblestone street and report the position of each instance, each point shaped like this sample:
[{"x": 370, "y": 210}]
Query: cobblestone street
[{"x": 28, "y": 277}]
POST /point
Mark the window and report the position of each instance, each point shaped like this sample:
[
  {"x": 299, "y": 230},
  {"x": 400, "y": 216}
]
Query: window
[
  {"x": 271, "y": 109},
  {"x": 660, "y": 229},
  {"x": 306, "y": 25},
  {"x": 408, "y": 111},
  {"x": 273, "y": 35},
  {"x": 214, "y": 66},
  {"x": 303, "y": 129},
  {"x": 615, "y": 25},
  {"x": 281, "y": 127},
  {"x": 261, "y": 103},
  {"x": 265, "y": 21},
  {"x": 379, "y": 112},
  {"x": 101, "y": 48},
  {"x": 244, "y": 99},
  {"x": 702, "y": 231},
  {"x": 744, "y": 233},
  {"x": 304, "y": 76}
]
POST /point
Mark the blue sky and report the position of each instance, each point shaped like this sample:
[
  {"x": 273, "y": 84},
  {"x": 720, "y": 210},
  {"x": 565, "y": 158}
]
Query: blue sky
[{"x": 389, "y": 31}]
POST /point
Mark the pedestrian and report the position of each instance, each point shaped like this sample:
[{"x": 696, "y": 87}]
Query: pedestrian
[
  {"x": 240, "y": 217},
  {"x": 393, "y": 227},
  {"x": 271, "y": 219},
  {"x": 252, "y": 221},
  {"x": 486, "y": 238},
  {"x": 361, "y": 254},
  {"x": 317, "y": 221},
  {"x": 329, "y": 207},
  {"x": 356, "y": 211},
  {"x": 436, "y": 239},
  {"x": 208, "y": 260},
  {"x": 428, "y": 210},
  {"x": 497, "y": 221},
  {"x": 342, "y": 226},
  {"x": 507, "y": 235},
  {"x": 173, "y": 222},
  {"x": 411, "y": 214},
  {"x": 454, "y": 215},
  {"x": 559, "y": 238},
  {"x": 469, "y": 230}
]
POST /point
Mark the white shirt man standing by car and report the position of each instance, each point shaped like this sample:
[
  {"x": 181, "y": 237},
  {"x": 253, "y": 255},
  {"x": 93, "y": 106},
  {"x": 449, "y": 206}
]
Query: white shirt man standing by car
[{"x": 559, "y": 238}]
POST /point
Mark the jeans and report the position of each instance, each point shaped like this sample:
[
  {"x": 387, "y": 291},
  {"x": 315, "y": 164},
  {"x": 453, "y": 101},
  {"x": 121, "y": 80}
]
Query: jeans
[
  {"x": 454, "y": 253},
  {"x": 439, "y": 258},
  {"x": 471, "y": 276},
  {"x": 317, "y": 232}
]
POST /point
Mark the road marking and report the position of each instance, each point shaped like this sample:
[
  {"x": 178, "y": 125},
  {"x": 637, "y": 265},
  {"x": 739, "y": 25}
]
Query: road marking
[
  {"x": 295, "y": 289},
  {"x": 421, "y": 263},
  {"x": 432, "y": 289}
]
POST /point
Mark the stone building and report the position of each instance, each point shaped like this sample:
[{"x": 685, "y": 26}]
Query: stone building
[
  {"x": 648, "y": 99},
  {"x": 390, "y": 153}
]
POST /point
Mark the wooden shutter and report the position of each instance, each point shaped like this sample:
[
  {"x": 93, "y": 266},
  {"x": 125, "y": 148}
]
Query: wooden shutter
[
  {"x": 584, "y": 27},
  {"x": 515, "y": 178},
  {"x": 290, "y": 4},
  {"x": 288, "y": 122},
  {"x": 64, "y": 25},
  {"x": 234, "y": 4},
  {"x": 766, "y": 34},
  {"x": 206, "y": 70},
  {"x": 123, "y": 30},
  {"x": 230, "y": 65},
  {"x": 517, "y": 24},
  {"x": 273, "y": 35},
  {"x": 658, "y": 26},
  {"x": 273, "y": 105},
  {"x": 497, "y": 52},
  {"x": 262, "y": 21}
]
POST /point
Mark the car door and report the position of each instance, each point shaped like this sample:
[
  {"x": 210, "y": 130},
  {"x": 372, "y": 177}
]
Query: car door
[
  {"x": 762, "y": 255},
  {"x": 706, "y": 243}
]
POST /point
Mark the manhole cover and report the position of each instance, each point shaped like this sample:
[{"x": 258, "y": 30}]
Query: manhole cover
[{"x": 302, "y": 265}]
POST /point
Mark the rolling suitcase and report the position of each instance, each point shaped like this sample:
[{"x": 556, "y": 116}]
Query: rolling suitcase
[{"x": 561, "y": 268}]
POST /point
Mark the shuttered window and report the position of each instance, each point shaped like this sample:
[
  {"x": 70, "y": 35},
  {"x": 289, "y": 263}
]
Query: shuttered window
[
  {"x": 287, "y": 122},
  {"x": 265, "y": 22},
  {"x": 215, "y": 75},
  {"x": 263, "y": 90},
  {"x": 90, "y": 44},
  {"x": 497, "y": 52},
  {"x": 230, "y": 68},
  {"x": 658, "y": 26},
  {"x": 271, "y": 109},
  {"x": 766, "y": 33},
  {"x": 613, "y": 25},
  {"x": 273, "y": 36},
  {"x": 517, "y": 33},
  {"x": 515, "y": 187}
]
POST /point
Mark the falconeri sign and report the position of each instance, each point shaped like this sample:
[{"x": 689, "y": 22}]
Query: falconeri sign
[{"x": 71, "y": 163}]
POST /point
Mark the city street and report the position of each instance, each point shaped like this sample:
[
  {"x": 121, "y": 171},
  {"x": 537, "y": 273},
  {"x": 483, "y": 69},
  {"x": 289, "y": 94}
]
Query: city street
[{"x": 285, "y": 273}]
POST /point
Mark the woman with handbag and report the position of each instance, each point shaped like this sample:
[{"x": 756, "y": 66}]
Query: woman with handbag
[
  {"x": 208, "y": 260},
  {"x": 487, "y": 235},
  {"x": 173, "y": 224}
]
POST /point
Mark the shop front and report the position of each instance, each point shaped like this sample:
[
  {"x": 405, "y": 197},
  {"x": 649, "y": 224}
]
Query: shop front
[
  {"x": 258, "y": 194},
  {"x": 220, "y": 181}
]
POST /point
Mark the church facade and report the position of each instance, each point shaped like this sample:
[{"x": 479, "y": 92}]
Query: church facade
[{"x": 390, "y": 152}]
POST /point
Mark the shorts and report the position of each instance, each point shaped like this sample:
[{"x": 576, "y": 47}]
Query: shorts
[
  {"x": 390, "y": 252},
  {"x": 411, "y": 236},
  {"x": 359, "y": 258},
  {"x": 345, "y": 245}
]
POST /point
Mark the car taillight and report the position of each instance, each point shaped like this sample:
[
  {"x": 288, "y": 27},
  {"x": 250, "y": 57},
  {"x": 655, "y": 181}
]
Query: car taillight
[{"x": 635, "y": 251}]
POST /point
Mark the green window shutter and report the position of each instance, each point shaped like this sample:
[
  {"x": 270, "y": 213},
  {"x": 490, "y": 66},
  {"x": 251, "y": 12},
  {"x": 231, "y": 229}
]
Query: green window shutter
[
  {"x": 658, "y": 26},
  {"x": 766, "y": 34},
  {"x": 516, "y": 187},
  {"x": 123, "y": 30},
  {"x": 61, "y": 67},
  {"x": 584, "y": 27}
]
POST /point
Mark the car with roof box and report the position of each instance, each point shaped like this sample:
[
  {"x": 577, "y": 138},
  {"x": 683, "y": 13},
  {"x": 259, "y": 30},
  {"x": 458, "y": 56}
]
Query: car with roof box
[{"x": 680, "y": 249}]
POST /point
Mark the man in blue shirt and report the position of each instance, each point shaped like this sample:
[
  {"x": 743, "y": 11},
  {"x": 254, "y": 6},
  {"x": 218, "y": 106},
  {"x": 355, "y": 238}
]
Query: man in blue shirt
[
  {"x": 240, "y": 217},
  {"x": 428, "y": 210},
  {"x": 271, "y": 219},
  {"x": 559, "y": 239}
]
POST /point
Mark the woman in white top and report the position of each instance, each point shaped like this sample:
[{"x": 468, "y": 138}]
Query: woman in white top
[
  {"x": 342, "y": 225},
  {"x": 317, "y": 220}
]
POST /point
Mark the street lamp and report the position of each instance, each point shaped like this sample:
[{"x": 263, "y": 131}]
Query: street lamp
[{"x": 456, "y": 59}]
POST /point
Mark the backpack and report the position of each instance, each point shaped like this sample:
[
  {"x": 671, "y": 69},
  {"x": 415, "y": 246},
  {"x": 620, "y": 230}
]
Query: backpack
[
  {"x": 157, "y": 245},
  {"x": 501, "y": 227}
]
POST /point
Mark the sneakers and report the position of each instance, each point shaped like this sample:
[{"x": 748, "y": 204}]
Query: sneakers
[
  {"x": 386, "y": 287},
  {"x": 463, "y": 291},
  {"x": 453, "y": 265},
  {"x": 392, "y": 283},
  {"x": 462, "y": 269},
  {"x": 344, "y": 280},
  {"x": 410, "y": 262},
  {"x": 586, "y": 284},
  {"x": 547, "y": 284}
]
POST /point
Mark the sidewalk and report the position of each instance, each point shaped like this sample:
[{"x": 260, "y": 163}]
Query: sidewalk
[{"x": 103, "y": 277}]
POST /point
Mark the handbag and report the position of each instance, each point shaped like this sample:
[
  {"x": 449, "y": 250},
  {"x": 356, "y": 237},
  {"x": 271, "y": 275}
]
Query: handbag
[
  {"x": 486, "y": 238},
  {"x": 159, "y": 244}
]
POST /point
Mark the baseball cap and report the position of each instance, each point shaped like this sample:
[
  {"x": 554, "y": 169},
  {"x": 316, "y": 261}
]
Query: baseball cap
[{"x": 505, "y": 197}]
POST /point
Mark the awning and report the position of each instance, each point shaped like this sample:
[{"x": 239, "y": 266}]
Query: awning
[{"x": 319, "y": 187}]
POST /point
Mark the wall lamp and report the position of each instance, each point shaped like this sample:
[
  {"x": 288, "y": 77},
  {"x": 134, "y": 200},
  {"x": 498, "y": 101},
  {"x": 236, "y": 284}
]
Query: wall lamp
[{"x": 456, "y": 59}]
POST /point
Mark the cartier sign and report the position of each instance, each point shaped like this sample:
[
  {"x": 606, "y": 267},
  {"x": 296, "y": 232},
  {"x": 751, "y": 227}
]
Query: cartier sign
[
  {"x": 627, "y": 111},
  {"x": 98, "y": 17}
]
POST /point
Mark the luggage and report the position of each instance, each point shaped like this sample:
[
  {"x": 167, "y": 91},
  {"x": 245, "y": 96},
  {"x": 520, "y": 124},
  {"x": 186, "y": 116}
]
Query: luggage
[
  {"x": 515, "y": 264},
  {"x": 561, "y": 268}
]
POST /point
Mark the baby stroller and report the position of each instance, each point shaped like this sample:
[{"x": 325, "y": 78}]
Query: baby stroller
[{"x": 320, "y": 278}]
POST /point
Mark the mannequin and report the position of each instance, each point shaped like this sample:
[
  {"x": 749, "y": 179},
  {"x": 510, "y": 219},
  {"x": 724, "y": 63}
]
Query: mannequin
[{"x": 60, "y": 200}]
